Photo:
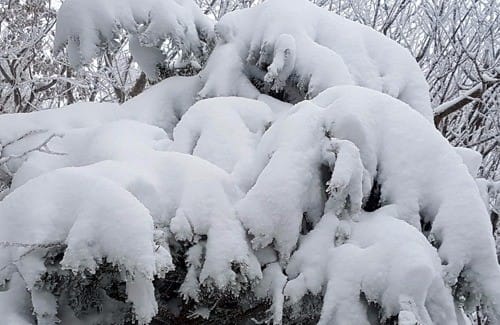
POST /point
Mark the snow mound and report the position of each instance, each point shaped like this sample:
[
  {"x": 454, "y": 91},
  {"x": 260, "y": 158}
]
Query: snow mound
[
  {"x": 471, "y": 158},
  {"x": 392, "y": 265},
  {"x": 295, "y": 167},
  {"x": 353, "y": 148},
  {"x": 299, "y": 179},
  {"x": 91, "y": 217},
  {"x": 13, "y": 126},
  {"x": 13, "y": 303},
  {"x": 189, "y": 201},
  {"x": 224, "y": 131},
  {"x": 288, "y": 184},
  {"x": 193, "y": 200},
  {"x": 192, "y": 196}
]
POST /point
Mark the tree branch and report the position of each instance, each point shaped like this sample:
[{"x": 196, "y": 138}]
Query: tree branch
[{"x": 456, "y": 104}]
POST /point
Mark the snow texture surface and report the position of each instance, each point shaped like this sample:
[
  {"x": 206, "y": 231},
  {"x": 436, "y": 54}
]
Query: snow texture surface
[{"x": 351, "y": 193}]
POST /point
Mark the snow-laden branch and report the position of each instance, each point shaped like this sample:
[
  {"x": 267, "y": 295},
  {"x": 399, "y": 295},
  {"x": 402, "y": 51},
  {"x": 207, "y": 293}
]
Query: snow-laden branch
[
  {"x": 284, "y": 56},
  {"x": 5, "y": 244},
  {"x": 84, "y": 26},
  {"x": 473, "y": 94},
  {"x": 41, "y": 147}
]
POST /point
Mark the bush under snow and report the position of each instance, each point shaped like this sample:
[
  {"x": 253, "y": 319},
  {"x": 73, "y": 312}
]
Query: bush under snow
[{"x": 349, "y": 205}]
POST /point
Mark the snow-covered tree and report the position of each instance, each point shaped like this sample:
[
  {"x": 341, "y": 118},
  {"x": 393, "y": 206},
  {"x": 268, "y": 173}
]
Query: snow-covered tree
[
  {"x": 297, "y": 178},
  {"x": 456, "y": 44}
]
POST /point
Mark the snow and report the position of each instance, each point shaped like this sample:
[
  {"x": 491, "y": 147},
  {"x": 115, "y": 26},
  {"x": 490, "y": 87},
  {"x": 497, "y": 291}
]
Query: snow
[
  {"x": 397, "y": 273},
  {"x": 350, "y": 52},
  {"x": 253, "y": 192},
  {"x": 419, "y": 172},
  {"x": 438, "y": 189},
  {"x": 73, "y": 116},
  {"x": 165, "y": 188},
  {"x": 224, "y": 75},
  {"x": 287, "y": 186},
  {"x": 83, "y": 26},
  {"x": 244, "y": 167},
  {"x": 282, "y": 56},
  {"x": 308, "y": 268},
  {"x": 71, "y": 206},
  {"x": 222, "y": 130},
  {"x": 471, "y": 158},
  {"x": 120, "y": 140},
  {"x": 164, "y": 104},
  {"x": 13, "y": 303},
  {"x": 195, "y": 199},
  {"x": 271, "y": 287}
]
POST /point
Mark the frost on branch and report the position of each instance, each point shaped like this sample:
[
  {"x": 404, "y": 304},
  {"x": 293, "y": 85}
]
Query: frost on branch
[{"x": 83, "y": 26}]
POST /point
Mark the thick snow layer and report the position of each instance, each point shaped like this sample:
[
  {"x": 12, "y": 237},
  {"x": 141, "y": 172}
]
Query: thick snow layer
[
  {"x": 288, "y": 184},
  {"x": 92, "y": 217},
  {"x": 120, "y": 140},
  {"x": 418, "y": 171},
  {"x": 471, "y": 158},
  {"x": 14, "y": 303},
  {"x": 188, "y": 196},
  {"x": 423, "y": 176},
  {"x": 291, "y": 163},
  {"x": 191, "y": 198},
  {"x": 224, "y": 131},
  {"x": 164, "y": 104},
  {"x": 172, "y": 186},
  {"x": 84, "y": 25},
  {"x": 33, "y": 134},
  {"x": 12, "y": 126},
  {"x": 224, "y": 75},
  {"x": 392, "y": 265},
  {"x": 308, "y": 267},
  {"x": 299, "y": 179},
  {"x": 271, "y": 287},
  {"x": 321, "y": 49}
]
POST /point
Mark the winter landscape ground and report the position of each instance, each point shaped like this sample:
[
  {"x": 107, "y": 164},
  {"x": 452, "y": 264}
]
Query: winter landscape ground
[{"x": 267, "y": 162}]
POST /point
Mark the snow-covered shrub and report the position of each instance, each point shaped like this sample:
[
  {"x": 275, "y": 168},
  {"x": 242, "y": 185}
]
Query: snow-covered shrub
[{"x": 349, "y": 208}]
